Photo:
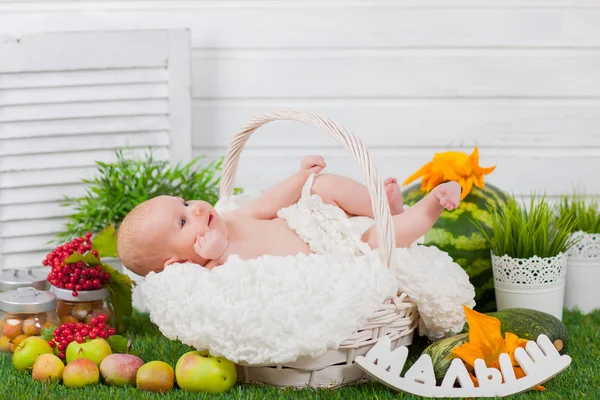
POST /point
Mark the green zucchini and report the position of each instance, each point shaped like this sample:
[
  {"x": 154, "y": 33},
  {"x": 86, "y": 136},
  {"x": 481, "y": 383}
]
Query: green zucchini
[
  {"x": 525, "y": 323},
  {"x": 441, "y": 354},
  {"x": 529, "y": 324}
]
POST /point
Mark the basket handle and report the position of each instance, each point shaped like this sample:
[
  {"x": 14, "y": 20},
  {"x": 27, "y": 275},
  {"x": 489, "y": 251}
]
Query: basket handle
[{"x": 381, "y": 209}]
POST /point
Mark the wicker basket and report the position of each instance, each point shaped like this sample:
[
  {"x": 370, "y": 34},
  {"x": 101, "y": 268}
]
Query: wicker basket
[{"x": 397, "y": 317}]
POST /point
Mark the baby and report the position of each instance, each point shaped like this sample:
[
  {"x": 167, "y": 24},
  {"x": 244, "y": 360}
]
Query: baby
[{"x": 307, "y": 213}]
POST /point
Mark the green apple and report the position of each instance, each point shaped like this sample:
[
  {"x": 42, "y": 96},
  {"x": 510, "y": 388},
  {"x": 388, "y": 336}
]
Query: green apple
[
  {"x": 80, "y": 372},
  {"x": 28, "y": 351},
  {"x": 120, "y": 369},
  {"x": 197, "y": 371},
  {"x": 47, "y": 367},
  {"x": 95, "y": 350},
  {"x": 155, "y": 376}
]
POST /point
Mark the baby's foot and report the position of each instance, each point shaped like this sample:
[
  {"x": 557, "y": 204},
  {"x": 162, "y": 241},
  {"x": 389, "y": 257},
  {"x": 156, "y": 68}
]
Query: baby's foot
[
  {"x": 394, "y": 196},
  {"x": 448, "y": 194}
]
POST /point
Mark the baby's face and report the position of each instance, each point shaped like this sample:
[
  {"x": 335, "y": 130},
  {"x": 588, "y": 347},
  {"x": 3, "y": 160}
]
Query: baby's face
[{"x": 179, "y": 222}]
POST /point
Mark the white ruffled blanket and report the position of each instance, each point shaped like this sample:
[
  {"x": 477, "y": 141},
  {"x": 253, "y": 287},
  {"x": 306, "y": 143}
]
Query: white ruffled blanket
[
  {"x": 270, "y": 309},
  {"x": 276, "y": 309}
]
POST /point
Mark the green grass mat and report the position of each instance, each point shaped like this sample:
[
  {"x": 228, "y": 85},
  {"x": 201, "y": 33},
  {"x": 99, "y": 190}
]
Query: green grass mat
[{"x": 580, "y": 381}]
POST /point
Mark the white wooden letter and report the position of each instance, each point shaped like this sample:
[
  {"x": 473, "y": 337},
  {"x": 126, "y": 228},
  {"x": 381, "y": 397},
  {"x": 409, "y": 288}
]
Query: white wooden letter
[
  {"x": 458, "y": 371},
  {"x": 535, "y": 352},
  {"x": 421, "y": 371},
  {"x": 524, "y": 360},
  {"x": 487, "y": 377},
  {"x": 390, "y": 362},
  {"x": 394, "y": 362},
  {"x": 547, "y": 347},
  {"x": 507, "y": 369},
  {"x": 420, "y": 378}
]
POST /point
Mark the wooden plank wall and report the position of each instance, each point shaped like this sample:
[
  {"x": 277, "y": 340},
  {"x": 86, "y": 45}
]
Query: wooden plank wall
[{"x": 518, "y": 78}]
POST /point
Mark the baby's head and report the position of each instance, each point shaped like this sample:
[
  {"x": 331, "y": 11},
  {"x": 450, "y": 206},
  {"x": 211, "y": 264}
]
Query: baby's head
[{"x": 163, "y": 230}]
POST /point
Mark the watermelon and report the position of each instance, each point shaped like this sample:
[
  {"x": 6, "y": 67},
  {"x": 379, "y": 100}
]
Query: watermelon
[
  {"x": 441, "y": 354},
  {"x": 529, "y": 324},
  {"x": 455, "y": 234}
]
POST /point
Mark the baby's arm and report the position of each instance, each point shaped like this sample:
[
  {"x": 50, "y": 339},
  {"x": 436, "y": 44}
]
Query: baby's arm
[
  {"x": 216, "y": 249},
  {"x": 284, "y": 193}
]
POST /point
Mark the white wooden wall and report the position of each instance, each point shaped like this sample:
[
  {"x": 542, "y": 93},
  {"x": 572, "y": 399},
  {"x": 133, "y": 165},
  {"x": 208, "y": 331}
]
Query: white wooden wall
[{"x": 518, "y": 78}]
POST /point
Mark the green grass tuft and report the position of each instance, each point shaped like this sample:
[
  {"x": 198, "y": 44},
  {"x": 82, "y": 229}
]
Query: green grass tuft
[
  {"x": 117, "y": 187},
  {"x": 586, "y": 212},
  {"x": 523, "y": 232},
  {"x": 580, "y": 381}
]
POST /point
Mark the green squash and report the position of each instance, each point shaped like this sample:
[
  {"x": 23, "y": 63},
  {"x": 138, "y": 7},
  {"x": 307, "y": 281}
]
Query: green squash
[
  {"x": 525, "y": 323},
  {"x": 441, "y": 354},
  {"x": 529, "y": 324}
]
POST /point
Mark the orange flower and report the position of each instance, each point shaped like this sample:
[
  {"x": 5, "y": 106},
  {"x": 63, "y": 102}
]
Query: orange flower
[
  {"x": 486, "y": 342},
  {"x": 452, "y": 166}
]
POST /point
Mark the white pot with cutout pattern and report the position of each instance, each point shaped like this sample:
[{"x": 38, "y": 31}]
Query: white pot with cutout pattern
[
  {"x": 583, "y": 277},
  {"x": 535, "y": 283}
]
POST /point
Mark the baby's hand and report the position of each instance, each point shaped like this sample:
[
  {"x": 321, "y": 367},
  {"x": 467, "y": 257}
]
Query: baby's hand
[
  {"x": 313, "y": 164},
  {"x": 448, "y": 194},
  {"x": 211, "y": 246}
]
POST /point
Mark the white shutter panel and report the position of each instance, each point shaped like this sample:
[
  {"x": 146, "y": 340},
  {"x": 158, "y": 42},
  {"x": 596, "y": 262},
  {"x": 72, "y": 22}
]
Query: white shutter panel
[{"x": 68, "y": 99}]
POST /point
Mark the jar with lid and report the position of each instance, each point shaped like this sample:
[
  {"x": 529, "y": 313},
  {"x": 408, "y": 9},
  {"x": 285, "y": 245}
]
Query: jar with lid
[
  {"x": 88, "y": 304},
  {"x": 23, "y": 313},
  {"x": 11, "y": 279}
]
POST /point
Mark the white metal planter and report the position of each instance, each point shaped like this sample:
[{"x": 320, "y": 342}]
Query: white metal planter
[
  {"x": 583, "y": 279},
  {"x": 535, "y": 283}
]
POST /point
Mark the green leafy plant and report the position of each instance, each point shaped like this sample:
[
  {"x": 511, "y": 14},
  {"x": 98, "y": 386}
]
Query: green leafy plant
[
  {"x": 119, "y": 186},
  {"x": 523, "y": 232},
  {"x": 586, "y": 212}
]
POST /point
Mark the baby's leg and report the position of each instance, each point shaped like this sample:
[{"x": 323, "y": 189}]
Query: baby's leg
[
  {"x": 352, "y": 196},
  {"x": 418, "y": 219}
]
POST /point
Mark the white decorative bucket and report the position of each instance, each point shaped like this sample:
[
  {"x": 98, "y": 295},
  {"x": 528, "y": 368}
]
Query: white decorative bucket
[
  {"x": 535, "y": 283},
  {"x": 583, "y": 278}
]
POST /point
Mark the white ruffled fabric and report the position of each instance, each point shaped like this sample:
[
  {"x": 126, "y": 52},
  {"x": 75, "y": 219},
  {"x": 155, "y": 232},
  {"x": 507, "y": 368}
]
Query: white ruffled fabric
[
  {"x": 270, "y": 309},
  {"x": 276, "y": 309},
  {"x": 326, "y": 228},
  {"x": 438, "y": 285}
]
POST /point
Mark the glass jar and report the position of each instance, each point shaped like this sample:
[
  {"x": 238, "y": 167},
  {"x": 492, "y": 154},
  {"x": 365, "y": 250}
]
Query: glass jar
[
  {"x": 11, "y": 279},
  {"x": 87, "y": 305},
  {"x": 23, "y": 313}
]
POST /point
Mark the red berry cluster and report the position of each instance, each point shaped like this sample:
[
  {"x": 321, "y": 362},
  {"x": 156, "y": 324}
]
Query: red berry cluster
[
  {"x": 67, "y": 333},
  {"x": 76, "y": 276}
]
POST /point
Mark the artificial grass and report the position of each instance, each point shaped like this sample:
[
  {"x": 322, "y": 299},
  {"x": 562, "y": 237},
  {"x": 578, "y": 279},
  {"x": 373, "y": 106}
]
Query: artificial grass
[{"x": 580, "y": 381}]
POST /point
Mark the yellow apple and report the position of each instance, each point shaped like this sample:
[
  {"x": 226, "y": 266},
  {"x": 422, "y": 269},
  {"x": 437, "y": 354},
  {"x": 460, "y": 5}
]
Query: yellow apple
[
  {"x": 155, "y": 376},
  {"x": 47, "y": 367},
  {"x": 197, "y": 371}
]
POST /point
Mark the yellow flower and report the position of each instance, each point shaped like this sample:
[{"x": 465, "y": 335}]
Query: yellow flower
[
  {"x": 452, "y": 166},
  {"x": 486, "y": 342}
]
